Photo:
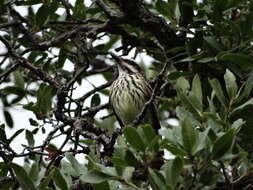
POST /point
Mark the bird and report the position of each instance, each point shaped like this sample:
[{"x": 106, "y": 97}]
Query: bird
[{"x": 129, "y": 93}]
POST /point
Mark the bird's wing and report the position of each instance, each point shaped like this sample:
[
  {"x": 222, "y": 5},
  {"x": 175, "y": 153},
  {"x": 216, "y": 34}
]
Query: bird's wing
[
  {"x": 154, "y": 115},
  {"x": 117, "y": 117}
]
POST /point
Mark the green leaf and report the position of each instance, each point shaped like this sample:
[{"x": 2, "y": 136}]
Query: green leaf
[
  {"x": 110, "y": 171},
  {"x": 7, "y": 183},
  {"x": 126, "y": 172},
  {"x": 169, "y": 9},
  {"x": 157, "y": 180},
  {"x": 247, "y": 89},
  {"x": 95, "y": 100},
  {"x": 203, "y": 136},
  {"x": 94, "y": 177},
  {"x": 174, "y": 150},
  {"x": 79, "y": 10},
  {"x": 44, "y": 183},
  {"x": 173, "y": 169},
  {"x": 2, "y": 134},
  {"x": 27, "y": 2},
  {"x": 213, "y": 43},
  {"x": 188, "y": 135},
  {"x": 74, "y": 163},
  {"x": 182, "y": 84},
  {"x": 8, "y": 119},
  {"x": 22, "y": 177},
  {"x": 19, "y": 80},
  {"x": 237, "y": 125},
  {"x": 59, "y": 180},
  {"x": 197, "y": 91},
  {"x": 244, "y": 61},
  {"x": 243, "y": 106},
  {"x": 61, "y": 59},
  {"x": 223, "y": 144},
  {"x": 218, "y": 92},
  {"x": 130, "y": 158},
  {"x": 14, "y": 90},
  {"x": 178, "y": 74},
  {"x": 42, "y": 15},
  {"x": 44, "y": 99},
  {"x": 29, "y": 137},
  {"x": 15, "y": 135},
  {"x": 147, "y": 134},
  {"x": 102, "y": 186},
  {"x": 163, "y": 8},
  {"x": 231, "y": 85},
  {"x": 34, "y": 171},
  {"x": 33, "y": 122},
  {"x": 133, "y": 138},
  {"x": 175, "y": 138}
]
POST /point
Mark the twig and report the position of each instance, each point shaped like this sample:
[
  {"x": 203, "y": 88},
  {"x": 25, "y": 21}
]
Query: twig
[
  {"x": 76, "y": 22},
  {"x": 5, "y": 74},
  {"x": 158, "y": 83},
  {"x": 84, "y": 97}
]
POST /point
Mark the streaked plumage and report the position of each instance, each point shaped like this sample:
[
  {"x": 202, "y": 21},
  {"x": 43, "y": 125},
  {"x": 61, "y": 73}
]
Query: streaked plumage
[{"x": 129, "y": 92}]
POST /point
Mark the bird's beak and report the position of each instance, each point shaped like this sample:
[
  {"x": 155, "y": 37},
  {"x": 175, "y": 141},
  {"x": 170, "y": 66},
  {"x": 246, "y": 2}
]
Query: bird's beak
[{"x": 116, "y": 58}]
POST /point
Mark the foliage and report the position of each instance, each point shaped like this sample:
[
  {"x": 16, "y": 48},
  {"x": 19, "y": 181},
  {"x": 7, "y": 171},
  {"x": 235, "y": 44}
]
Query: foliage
[{"x": 202, "y": 58}]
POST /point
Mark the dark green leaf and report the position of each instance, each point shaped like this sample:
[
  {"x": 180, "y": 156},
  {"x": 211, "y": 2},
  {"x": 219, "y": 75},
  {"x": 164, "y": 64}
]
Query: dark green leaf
[
  {"x": 14, "y": 90},
  {"x": 202, "y": 143},
  {"x": 79, "y": 9},
  {"x": 197, "y": 91},
  {"x": 174, "y": 150},
  {"x": 102, "y": 186},
  {"x": 28, "y": 2},
  {"x": 218, "y": 92},
  {"x": 19, "y": 80},
  {"x": 95, "y": 100},
  {"x": 34, "y": 171},
  {"x": 244, "y": 61},
  {"x": 22, "y": 177},
  {"x": 213, "y": 43},
  {"x": 94, "y": 177},
  {"x": 29, "y": 137},
  {"x": 173, "y": 169},
  {"x": 243, "y": 106},
  {"x": 223, "y": 144},
  {"x": 157, "y": 180},
  {"x": 147, "y": 133},
  {"x": 163, "y": 8},
  {"x": 7, "y": 183},
  {"x": 59, "y": 180},
  {"x": 74, "y": 163},
  {"x": 15, "y": 135},
  {"x": 42, "y": 15},
  {"x": 247, "y": 88},
  {"x": 33, "y": 122},
  {"x": 8, "y": 119},
  {"x": 61, "y": 59},
  {"x": 189, "y": 135},
  {"x": 182, "y": 84},
  {"x": 2, "y": 133},
  {"x": 176, "y": 75},
  {"x": 231, "y": 85},
  {"x": 44, "y": 99},
  {"x": 44, "y": 183},
  {"x": 133, "y": 138}
]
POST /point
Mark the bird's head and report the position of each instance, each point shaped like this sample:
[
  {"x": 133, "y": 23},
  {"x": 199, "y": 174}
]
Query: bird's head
[{"x": 127, "y": 66}]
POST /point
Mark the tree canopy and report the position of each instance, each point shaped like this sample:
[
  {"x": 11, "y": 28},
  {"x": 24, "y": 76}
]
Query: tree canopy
[{"x": 202, "y": 76}]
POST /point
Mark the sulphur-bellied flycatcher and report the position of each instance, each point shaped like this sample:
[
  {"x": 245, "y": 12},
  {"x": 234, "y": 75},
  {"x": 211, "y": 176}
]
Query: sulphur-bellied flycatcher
[{"x": 129, "y": 93}]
